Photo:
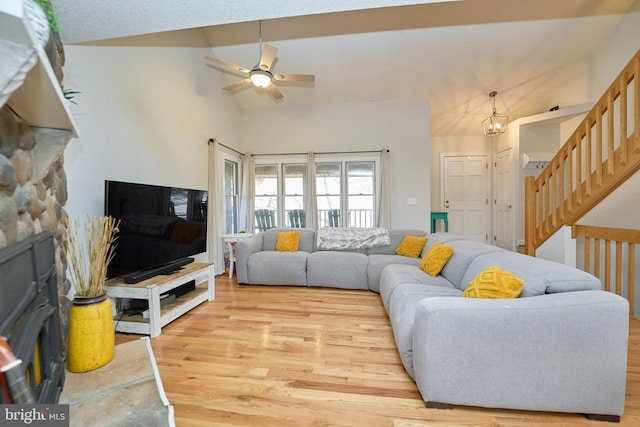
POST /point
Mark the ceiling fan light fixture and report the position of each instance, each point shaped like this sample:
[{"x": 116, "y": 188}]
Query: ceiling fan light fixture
[
  {"x": 495, "y": 124},
  {"x": 260, "y": 78}
]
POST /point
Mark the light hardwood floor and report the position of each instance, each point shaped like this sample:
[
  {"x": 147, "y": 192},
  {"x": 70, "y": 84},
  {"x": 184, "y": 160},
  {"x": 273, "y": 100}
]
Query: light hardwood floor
[{"x": 294, "y": 356}]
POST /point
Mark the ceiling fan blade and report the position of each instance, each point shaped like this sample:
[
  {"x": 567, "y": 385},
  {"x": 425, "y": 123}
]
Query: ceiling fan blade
[
  {"x": 295, "y": 77},
  {"x": 228, "y": 64},
  {"x": 268, "y": 56},
  {"x": 237, "y": 85},
  {"x": 274, "y": 92},
  {"x": 219, "y": 69}
]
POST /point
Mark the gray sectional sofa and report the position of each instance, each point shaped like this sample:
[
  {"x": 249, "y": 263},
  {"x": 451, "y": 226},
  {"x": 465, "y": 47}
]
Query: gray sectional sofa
[
  {"x": 258, "y": 263},
  {"x": 561, "y": 346}
]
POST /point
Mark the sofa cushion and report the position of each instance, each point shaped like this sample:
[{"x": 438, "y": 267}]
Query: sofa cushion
[
  {"x": 464, "y": 252},
  {"x": 439, "y": 237},
  {"x": 411, "y": 246},
  {"x": 395, "y": 275},
  {"x": 494, "y": 283},
  {"x": 540, "y": 276},
  {"x": 337, "y": 269},
  {"x": 288, "y": 241},
  {"x": 401, "y": 310},
  {"x": 435, "y": 259},
  {"x": 377, "y": 262},
  {"x": 306, "y": 242},
  {"x": 278, "y": 268}
]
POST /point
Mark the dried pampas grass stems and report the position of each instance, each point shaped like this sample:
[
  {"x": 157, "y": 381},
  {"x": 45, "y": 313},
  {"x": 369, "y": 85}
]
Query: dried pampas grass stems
[{"x": 88, "y": 259}]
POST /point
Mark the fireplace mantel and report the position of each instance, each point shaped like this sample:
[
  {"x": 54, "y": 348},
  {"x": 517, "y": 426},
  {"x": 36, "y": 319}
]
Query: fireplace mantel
[{"x": 39, "y": 101}]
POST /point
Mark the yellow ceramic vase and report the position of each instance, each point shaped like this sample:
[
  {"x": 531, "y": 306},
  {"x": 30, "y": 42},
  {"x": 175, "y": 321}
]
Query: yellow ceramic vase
[{"x": 91, "y": 334}]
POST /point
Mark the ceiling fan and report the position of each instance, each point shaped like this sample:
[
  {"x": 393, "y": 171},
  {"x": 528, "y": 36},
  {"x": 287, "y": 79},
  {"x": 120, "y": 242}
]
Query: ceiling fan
[{"x": 262, "y": 75}]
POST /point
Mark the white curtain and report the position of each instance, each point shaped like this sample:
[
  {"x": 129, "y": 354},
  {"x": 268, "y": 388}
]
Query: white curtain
[
  {"x": 216, "y": 218},
  {"x": 246, "y": 204},
  {"x": 384, "y": 203},
  {"x": 311, "y": 205}
]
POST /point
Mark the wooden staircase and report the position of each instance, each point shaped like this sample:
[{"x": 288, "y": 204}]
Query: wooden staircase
[
  {"x": 602, "y": 153},
  {"x": 598, "y": 157}
]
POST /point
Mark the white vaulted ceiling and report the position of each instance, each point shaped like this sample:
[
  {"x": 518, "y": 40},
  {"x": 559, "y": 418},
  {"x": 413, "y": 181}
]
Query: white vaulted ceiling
[{"x": 453, "y": 53}]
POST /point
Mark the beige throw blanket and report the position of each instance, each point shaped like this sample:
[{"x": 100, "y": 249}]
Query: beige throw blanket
[{"x": 337, "y": 238}]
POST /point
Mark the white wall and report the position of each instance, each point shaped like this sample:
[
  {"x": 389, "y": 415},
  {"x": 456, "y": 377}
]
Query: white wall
[
  {"x": 621, "y": 208},
  {"x": 560, "y": 247},
  {"x": 143, "y": 115},
  {"x": 615, "y": 52},
  {"x": 402, "y": 126}
]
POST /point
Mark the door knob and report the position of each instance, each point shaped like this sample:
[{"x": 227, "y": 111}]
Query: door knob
[
  {"x": 508, "y": 206},
  {"x": 446, "y": 204}
]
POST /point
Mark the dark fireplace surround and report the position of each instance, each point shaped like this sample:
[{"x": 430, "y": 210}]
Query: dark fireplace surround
[{"x": 29, "y": 317}]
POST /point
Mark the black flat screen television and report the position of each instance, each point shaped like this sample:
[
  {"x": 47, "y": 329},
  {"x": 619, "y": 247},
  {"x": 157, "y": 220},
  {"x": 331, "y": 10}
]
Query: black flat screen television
[{"x": 158, "y": 225}]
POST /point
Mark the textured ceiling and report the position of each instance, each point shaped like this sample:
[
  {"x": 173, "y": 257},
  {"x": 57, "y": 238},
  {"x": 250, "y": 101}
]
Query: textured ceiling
[{"x": 454, "y": 53}]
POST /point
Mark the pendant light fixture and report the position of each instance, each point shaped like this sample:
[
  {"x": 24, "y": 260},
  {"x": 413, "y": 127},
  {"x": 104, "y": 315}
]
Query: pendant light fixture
[{"x": 496, "y": 123}]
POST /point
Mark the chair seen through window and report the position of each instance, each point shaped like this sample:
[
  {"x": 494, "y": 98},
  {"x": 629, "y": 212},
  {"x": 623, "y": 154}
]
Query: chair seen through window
[
  {"x": 297, "y": 218},
  {"x": 334, "y": 218},
  {"x": 266, "y": 219}
]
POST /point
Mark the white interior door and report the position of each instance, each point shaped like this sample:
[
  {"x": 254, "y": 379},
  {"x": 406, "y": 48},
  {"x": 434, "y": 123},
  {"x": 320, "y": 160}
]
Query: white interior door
[
  {"x": 466, "y": 191},
  {"x": 503, "y": 201}
]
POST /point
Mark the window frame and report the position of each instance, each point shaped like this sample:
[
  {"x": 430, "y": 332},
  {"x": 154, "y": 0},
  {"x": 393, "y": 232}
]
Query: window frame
[
  {"x": 235, "y": 196},
  {"x": 233, "y": 157}
]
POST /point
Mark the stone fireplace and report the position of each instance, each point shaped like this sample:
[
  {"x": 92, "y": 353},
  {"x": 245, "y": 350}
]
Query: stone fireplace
[
  {"x": 33, "y": 188},
  {"x": 35, "y": 128}
]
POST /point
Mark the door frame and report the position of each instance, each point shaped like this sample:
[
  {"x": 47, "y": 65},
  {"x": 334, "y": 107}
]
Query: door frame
[{"x": 488, "y": 184}]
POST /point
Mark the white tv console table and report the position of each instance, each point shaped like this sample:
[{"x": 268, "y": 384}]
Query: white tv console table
[{"x": 151, "y": 290}]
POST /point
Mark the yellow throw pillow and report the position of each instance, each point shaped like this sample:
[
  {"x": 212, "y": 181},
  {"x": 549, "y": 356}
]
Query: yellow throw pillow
[
  {"x": 411, "y": 246},
  {"x": 288, "y": 241},
  {"x": 494, "y": 283},
  {"x": 435, "y": 259}
]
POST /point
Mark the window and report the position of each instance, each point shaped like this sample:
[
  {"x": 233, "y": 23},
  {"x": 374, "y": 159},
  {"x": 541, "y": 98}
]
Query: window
[
  {"x": 294, "y": 191},
  {"x": 328, "y": 190},
  {"x": 346, "y": 190},
  {"x": 231, "y": 196},
  {"x": 266, "y": 188},
  {"x": 360, "y": 194},
  {"x": 352, "y": 205}
]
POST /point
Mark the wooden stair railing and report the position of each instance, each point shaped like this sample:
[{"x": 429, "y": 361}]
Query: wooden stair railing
[
  {"x": 597, "y": 240},
  {"x": 602, "y": 153}
]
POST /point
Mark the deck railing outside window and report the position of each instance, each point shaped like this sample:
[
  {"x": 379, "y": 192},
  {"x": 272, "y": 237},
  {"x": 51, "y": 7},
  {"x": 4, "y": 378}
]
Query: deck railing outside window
[{"x": 357, "y": 218}]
